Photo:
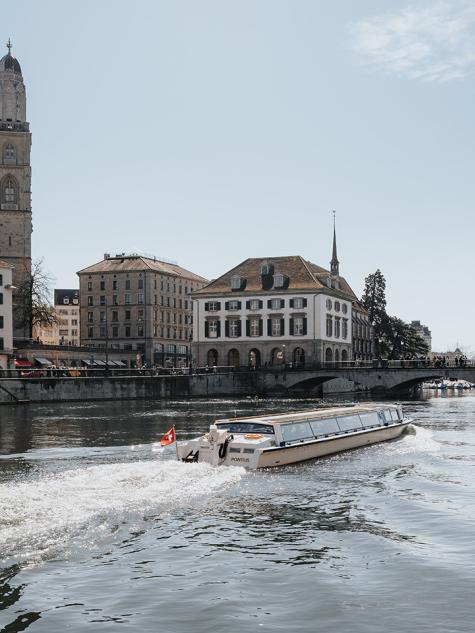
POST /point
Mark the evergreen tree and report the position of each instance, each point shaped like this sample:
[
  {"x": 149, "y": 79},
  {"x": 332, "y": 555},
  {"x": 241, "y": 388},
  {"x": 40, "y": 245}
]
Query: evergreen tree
[{"x": 374, "y": 300}]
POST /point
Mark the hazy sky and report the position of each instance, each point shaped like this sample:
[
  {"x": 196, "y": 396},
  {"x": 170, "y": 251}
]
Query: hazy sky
[{"x": 207, "y": 132}]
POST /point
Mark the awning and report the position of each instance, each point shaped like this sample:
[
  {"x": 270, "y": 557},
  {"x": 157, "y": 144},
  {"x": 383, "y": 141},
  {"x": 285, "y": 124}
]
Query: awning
[
  {"x": 99, "y": 363},
  {"x": 88, "y": 362},
  {"x": 43, "y": 361},
  {"x": 23, "y": 363},
  {"x": 120, "y": 363}
]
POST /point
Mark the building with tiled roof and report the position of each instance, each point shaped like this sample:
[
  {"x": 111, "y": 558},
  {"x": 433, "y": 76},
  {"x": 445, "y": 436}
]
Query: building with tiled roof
[
  {"x": 272, "y": 311},
  {"x": 141, "y": 304}
]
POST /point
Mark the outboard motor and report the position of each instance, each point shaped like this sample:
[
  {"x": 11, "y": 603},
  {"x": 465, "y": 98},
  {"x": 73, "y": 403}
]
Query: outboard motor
[{"x": 214, "y": 447}]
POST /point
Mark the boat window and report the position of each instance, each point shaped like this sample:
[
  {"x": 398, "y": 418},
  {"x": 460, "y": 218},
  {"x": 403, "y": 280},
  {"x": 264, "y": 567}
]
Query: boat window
[
  {"x": 234, "y": 450},
  {"x": 349, "y": 423},
  {"x": 248, "y": 450},
  {"x": 387, "y": 415},
  {"x": 324, "y": 427},
  {"x": 246, "y": 427},
  {"x": 297, "y": 431},
  {"x": 394, "y": 415},
  {"x": 370, "y": 419}
]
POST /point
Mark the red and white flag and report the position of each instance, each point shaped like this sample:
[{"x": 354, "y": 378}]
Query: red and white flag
[{"x": 169, "y": 437}]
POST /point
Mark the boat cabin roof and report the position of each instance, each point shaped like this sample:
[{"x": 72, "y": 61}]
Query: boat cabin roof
[{"x": 313, "y": 414}]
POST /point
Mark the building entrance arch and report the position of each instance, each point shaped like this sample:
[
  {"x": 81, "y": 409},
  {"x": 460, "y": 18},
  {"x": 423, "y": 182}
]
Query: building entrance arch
[
  {"x": 299, "y": 356},
  {"x": 233, "y": 358},
  {"x": 254, "y": 358},
  {"x": 212, "y": 358}
]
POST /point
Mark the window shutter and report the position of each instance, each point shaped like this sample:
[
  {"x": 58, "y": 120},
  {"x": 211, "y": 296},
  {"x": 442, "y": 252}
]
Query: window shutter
[
  {"x": 282, "y": 303},
  {"x": 226, "y": 328},
  {"x": 218, "y": 328},
  {"x": 269, "y": 303},
  {"x": 305, "y": 326},
  {"x": 282, "y": 327},
  {"x": 248, "y": 328},
  {"x": 291, "y": 326},
  {"x": 248, "y": 305},
  {"x": 291, "y": 303},
  {"x": 206, "y": 329},
  {"x": 207, "y": 307},
  {"x": 269, "y": 327},
  {"x": 239, "y": 305},
  {"x": 226, "y": 305},
  {"x": 261, "y": 303},
  {"x": 305, "y": 303},
  {"x": 260, "y": 326},
  {"x": 239, "y": 327},
  {"x": 219, "y": 305}
]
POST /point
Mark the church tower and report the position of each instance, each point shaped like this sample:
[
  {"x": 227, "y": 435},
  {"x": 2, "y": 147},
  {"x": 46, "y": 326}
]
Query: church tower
[
  {"x": 334, "y": 264},
  {"x": 15, "y": 184}
]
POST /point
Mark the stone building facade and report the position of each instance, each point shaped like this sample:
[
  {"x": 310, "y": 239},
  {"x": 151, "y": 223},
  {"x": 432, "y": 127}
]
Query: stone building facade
[
  {"x": 15, "y": 183},
  {"x": 274, "y": 311},
  {"x": 423, "y": 332},
  {"x": 6, "y": 320},
  {"x": 137, "y": 303},
  {"x": 362, "y": 333}
]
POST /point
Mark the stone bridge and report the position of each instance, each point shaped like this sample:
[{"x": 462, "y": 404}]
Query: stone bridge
[{"x": 390, "y": 378}]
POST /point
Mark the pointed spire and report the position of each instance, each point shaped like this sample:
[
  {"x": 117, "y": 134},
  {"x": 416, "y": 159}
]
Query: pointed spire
[
  {"x": 9, "y": 46},
  {"x": 334, "y": 264}
]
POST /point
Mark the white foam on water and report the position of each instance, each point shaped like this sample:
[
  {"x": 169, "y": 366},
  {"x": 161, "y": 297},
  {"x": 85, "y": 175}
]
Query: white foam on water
[
  {"x": 84, "y": 505},
  {"x": 415, "y": 440}
]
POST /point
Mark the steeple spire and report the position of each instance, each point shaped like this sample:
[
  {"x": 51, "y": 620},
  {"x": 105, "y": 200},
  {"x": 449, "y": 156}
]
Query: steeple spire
[
  {"x": 9, "y": 46},
  {"x": 334, "y": 264}
]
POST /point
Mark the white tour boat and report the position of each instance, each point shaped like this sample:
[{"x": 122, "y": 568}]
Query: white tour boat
[{"x": 279, "y": 439}]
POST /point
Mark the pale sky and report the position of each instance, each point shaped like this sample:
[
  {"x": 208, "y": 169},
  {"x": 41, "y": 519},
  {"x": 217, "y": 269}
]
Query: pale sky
[{"x": 207, "y": 132}]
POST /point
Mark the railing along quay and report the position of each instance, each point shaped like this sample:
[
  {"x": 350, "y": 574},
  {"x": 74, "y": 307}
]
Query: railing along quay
[{"x": 334, "y": 366}]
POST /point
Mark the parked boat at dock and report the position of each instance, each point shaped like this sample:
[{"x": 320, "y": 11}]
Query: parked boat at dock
[{"x": 279, "y": 439}]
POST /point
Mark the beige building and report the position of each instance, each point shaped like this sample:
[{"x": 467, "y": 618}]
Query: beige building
[
  {"x": 131, "y": 302},
  {"x": 66, "y": 306},
  {"x": 274, "y": 311},
  {"x": 15, "y": 183},
  {"x": 6, "y": 320},
  {"x": 423, "y": 332}
]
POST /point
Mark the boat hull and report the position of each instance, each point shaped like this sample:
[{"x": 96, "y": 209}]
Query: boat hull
[{"x": 275, "y": 457}]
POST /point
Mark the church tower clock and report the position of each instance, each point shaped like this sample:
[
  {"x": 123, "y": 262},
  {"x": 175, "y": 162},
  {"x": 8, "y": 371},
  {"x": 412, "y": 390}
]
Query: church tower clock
[{"x": 15, "y": 185}]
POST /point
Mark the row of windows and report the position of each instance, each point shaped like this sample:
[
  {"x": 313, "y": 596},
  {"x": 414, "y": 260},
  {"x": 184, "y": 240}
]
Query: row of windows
[
  {"x": 337, "y": 326},
  {"x": 277, "y": 280},
  {"x": 164, "y": 286},
  {"x": 139, "y": 331},
  {"x": 166, "y": 302},
  {"x": 337, "y": 306},
  {"x": 165, "y": 317},
  {"x": 255, "y": 327},
  {"x": 297, "y": 303}
]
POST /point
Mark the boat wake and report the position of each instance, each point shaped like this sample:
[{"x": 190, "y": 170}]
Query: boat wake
[
  {"x": 81, "y": 507},
  {"x": 415, "y": 440}
]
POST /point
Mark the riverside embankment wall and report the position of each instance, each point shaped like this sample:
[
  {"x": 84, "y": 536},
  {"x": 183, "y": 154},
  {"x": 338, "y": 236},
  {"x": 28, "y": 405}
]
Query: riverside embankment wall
[{"x": 63, "y": 389}]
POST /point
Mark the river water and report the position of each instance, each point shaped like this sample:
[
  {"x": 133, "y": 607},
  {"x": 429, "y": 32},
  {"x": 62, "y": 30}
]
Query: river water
[{"x": 101, "y": 530}]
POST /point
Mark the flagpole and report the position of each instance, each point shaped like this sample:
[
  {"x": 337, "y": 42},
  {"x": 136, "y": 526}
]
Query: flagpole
[{"x": 176, "y": 443}]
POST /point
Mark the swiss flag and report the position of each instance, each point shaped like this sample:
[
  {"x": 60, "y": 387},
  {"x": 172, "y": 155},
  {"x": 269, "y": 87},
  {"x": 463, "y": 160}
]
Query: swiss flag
[{"x": 169, "y": 437}]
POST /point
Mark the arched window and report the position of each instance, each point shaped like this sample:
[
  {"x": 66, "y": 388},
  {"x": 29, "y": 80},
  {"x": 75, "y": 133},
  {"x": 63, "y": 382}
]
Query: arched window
[
  {"x": 8, "y": 152},
  {"x": 9, "y": 192},
  {"x": 299, "y": 357},
  {"x": 328, "y": 354}
]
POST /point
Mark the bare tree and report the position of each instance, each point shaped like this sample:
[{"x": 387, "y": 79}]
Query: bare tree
[{"x": 33, "y": 298}]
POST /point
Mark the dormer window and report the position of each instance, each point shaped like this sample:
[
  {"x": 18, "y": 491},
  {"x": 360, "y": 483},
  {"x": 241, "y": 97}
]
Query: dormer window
[
  {"x": 236, "y": 283},
  {"x": 66, "y": 300},
  {"x": 75, "y": 301},
  {"x": 278, "y": 280},
  {"x": 267, "y": 269}
]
